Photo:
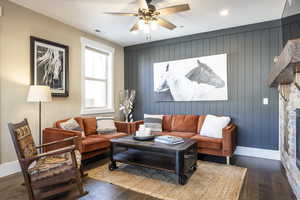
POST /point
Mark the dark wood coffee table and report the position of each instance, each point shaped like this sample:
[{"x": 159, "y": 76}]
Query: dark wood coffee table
[{"x": 180, "y": 159}]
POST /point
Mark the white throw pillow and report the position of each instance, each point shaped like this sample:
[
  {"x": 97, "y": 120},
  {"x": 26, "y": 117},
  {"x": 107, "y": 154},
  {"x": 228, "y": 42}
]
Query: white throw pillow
[
  {"x": 213, "y": 125},
  {"x": 105, "y": 125}
]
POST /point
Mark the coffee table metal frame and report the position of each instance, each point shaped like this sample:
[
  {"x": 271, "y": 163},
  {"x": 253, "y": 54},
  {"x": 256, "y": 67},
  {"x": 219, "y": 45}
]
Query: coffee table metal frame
[{"x": 180, "y": 159}]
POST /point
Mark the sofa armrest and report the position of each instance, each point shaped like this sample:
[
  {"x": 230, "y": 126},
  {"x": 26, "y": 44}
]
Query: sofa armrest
[
  {"x": 55, "y": 134},
  {"x": 124, "y": 127},
  {"x": 135, "y": 125},
  {"x": 229, "y": 139}
]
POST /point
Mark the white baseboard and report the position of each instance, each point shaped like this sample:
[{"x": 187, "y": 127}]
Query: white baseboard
[
  {"x": 256, "y": 152},
  {"x": 9, "y": 168}
]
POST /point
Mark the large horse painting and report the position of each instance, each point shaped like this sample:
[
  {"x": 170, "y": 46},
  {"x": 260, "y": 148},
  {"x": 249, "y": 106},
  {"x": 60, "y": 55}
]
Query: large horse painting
[
  {"x": 193, "y": 79},
  {"x": 49, "y": 65}
]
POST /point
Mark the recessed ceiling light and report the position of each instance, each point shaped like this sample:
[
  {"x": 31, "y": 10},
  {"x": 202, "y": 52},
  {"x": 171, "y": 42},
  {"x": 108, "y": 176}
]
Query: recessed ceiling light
[{"x": 224, "y": 12}]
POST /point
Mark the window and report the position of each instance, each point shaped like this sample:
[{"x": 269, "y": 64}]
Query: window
[{"x": 97, "y": 70}]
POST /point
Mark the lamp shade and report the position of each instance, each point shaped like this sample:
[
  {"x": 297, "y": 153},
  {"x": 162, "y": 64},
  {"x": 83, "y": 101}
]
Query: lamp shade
[{"x": 39, "y": 93}]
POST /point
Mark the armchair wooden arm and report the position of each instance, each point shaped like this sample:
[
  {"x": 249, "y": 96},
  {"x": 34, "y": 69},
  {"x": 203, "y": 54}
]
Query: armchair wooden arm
[{"x": 73, "y": 139}]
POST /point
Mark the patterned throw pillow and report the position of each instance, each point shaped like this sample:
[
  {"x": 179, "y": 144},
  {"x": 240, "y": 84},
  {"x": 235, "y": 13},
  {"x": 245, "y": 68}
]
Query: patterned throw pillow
[
  {"x": 106, "y": 125},
  {"x": 72, "y": 125},
  {"x": 26, "y": 142},
  {"x": 154, "y": 122}
]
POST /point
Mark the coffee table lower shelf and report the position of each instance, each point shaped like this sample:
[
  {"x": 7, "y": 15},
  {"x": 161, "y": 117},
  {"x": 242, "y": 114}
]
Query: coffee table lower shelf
[{"x": 146, "y": 159}]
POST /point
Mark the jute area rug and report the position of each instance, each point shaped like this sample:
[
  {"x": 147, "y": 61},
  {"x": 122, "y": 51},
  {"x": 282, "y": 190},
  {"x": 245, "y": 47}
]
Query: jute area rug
[{"x": 211, "y": 181}]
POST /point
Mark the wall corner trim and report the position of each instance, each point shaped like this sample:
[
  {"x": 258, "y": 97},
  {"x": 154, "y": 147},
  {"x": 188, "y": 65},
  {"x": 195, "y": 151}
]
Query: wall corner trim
[
  {"x": 9, "y": 168},
  {"x": 257, "y": 152}
]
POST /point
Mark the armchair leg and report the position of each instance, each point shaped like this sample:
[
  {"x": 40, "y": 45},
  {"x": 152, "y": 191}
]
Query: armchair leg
[
  {"x": 228, "y": 160},
  {"x": 79, "y": 184},
  {"x": 29, "y": 189},
  {"x": 82, "y": 172},
  {"x": 78, "y": 176}
]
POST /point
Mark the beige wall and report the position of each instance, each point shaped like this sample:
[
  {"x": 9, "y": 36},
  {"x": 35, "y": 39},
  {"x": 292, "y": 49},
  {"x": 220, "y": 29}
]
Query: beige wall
[{"x": 16, "y": 25}]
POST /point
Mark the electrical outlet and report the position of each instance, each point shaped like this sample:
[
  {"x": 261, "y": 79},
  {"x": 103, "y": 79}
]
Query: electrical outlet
[{"x": 265, "y": 101}]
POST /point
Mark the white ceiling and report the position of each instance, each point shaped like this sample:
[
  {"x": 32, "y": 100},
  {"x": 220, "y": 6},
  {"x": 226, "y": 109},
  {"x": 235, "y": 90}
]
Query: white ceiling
[{"x": 87, "y": 15}]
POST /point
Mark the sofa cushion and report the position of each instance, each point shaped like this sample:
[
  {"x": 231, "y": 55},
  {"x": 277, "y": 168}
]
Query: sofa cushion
[
  {"x": 213, "y": 126},
  {"x": 167, "y": 123},
  {"x": 208, "y": 142},
  {"x": 184, "y": 123},
  {"x": 111, "y": 135},
  {"x": 92, "y": 143},
  {"x": 177, "y": 134},
  {"x": 90, "y": 125}
]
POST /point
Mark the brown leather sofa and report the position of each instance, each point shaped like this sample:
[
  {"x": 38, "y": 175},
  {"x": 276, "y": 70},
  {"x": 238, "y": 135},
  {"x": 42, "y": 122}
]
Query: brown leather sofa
[
  {"x": 90, "y": 146},
  {"x": 189, "y": 126}
]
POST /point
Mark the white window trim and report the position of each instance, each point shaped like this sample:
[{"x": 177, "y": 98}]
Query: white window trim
[{"x": 111, "y": 52}]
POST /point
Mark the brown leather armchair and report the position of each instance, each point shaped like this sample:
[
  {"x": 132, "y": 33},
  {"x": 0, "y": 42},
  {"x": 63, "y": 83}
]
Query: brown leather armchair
[
  {"x": 92, "y": 144},
  {"x": 189, "y": 126}
]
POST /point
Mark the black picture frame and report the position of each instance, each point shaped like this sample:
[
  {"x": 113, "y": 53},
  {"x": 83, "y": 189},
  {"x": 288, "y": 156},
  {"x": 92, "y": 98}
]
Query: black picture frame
[{"x": 55, "y": 68}]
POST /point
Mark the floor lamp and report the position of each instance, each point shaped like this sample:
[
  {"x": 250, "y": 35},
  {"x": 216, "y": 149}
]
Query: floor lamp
[{"x": 39, "y": 93}]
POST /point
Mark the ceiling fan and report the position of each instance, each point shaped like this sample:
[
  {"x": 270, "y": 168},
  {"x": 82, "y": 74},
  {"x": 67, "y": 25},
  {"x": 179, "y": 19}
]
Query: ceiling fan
[{"x": 149, "y": 17}]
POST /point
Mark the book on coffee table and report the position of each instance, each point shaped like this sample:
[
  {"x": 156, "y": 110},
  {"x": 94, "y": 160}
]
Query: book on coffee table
[{"x": 168, "y": 139}]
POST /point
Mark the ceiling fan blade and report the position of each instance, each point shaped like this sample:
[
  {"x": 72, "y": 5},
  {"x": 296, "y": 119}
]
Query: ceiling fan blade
[
  {"x": 143, "y": 4},
  {"x": 165, "y": 23},
  {"x": 135, "y": 27},
  {"x": 121, "y": 14},
  {"x": 174, "y": 9}
]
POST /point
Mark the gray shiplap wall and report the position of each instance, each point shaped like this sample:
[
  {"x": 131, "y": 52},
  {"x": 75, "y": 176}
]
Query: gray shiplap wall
[{"x": 250, "y": 50}]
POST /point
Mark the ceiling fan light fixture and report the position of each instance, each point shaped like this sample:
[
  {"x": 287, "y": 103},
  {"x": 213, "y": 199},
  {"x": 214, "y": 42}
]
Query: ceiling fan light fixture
[
  {"x": 153, "y": 25},
  {"x": 141, "y": 24},
  {"x": 148, "y": 37},
  {"x": 149, "y": 18},
  {"x": 146, "y": 29}
]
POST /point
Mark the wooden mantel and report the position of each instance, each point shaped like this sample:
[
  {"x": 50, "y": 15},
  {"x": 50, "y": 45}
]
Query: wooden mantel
[{"x": 288, "y": 63}]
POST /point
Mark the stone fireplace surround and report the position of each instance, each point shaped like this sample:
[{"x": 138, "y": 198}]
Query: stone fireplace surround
[{"x": 287, "y": 132}]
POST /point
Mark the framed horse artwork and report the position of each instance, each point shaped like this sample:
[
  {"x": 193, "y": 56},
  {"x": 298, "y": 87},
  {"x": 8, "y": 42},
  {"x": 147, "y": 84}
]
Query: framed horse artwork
[
  {"x": 50, "y": 65},
  {"x": 192, "y": 79}
]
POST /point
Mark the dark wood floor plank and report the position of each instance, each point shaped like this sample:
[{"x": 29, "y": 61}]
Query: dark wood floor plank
[{"x": 265, "y": 180}]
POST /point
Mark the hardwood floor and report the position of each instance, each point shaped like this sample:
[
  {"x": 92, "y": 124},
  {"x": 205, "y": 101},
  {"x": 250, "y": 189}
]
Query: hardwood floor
[{"x": 265, "y": 181}]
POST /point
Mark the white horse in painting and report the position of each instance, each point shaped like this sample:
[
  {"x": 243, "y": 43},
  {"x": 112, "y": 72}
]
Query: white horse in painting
[
  {"x": 183, "y": 89},
  {"x": 52, "y": 66}
]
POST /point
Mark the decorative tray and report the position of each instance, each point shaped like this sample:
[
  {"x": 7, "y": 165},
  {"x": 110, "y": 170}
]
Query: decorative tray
[{"x": 144, "y": 138}]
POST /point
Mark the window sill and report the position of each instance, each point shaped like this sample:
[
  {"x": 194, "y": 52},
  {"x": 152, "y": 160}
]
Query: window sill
[{"x": 97, "y": 111}]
